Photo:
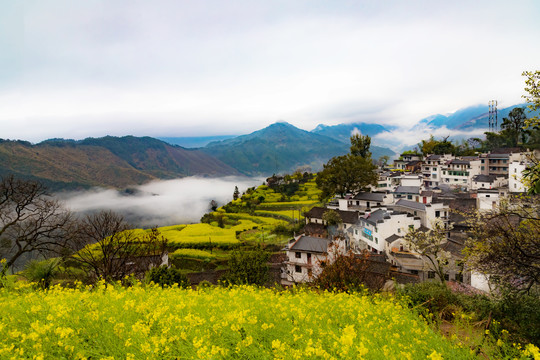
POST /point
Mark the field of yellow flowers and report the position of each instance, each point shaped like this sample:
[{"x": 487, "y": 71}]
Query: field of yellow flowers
[{"x": 148, "y": 322}]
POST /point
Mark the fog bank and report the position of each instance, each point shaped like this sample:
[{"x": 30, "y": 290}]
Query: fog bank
[{"x": 160, "y": 203}]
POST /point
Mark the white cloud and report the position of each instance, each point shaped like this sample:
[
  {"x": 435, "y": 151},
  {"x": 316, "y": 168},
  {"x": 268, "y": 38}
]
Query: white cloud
[
  {"x": 159, "y": 68},
  {"x": 160, "y": 203}
]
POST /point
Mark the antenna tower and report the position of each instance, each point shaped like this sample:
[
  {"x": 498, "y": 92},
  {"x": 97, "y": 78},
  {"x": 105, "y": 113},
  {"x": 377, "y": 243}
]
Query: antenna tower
[{"x": 492, "y": 119}]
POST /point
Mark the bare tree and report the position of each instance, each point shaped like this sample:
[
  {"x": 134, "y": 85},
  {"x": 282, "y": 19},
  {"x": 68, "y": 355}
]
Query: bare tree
[
  {"x": 431, "y": 245},
  {"x": 108, "y": 248},
  {"x": 505, "y": 242},
  {"x": 31, "y": 221}
]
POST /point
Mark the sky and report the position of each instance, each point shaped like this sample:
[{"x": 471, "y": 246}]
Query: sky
[{"x": 77, "y": 69}]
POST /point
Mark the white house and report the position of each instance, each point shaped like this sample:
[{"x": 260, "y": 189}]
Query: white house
[
  {"x": 432, "y": 169},
  {"x": 365, "y": 200},
  {"x": 305, "y": 254},
  {"x": 515, "y": 176},
  {"x": 458, "y": 173},
  {"x": 427, "y": 213},
  {"x": 372, "y": 230},
  {"x": 487, "y": 182}
]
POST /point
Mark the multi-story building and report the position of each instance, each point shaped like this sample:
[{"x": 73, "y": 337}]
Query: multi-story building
[
  {"x": 458, "y": 173},
  {"x": 432, "y": 169}
]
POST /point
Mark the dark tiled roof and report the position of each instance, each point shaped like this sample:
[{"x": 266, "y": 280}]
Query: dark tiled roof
[
  {"x": 315, "y": 229},
  {"x": 311, "y": 244},
  {"x": 434, "y": 157},
  {"x": 348, "y": 217},
  {"x": 408, "y": 189},
  {"x": 484, "y": 178},
  {"x": 393, "y": 238},
  {"x": 404, "y": 255},
  {"x": 505, "y": 151},
  {"x": 377, "y": 216},
  {"x": 498, "y": 156},
  {"x": 411, "y": 204},
  {"x": 426, "y": 193},
  {"x": 369, "y": 196},
  {"x": 460, "y": 162}
]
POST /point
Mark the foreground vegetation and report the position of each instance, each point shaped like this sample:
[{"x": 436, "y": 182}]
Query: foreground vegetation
[{"x": 148, "y": 322}]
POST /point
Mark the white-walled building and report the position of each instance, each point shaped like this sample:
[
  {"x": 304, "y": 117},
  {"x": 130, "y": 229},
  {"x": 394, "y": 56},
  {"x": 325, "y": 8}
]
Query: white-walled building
[
  {"x": 372, "y": 230},
  {"x": 365, "y": 200},
  {"x": 487, "y": 182},
  {"x": 427, "y": 213},
  {"x": 305, "y": 254},
  {"x": 515, "y": 176},
  {"x": 459, "y": 173},
  {"x": 432, "y": 169}
]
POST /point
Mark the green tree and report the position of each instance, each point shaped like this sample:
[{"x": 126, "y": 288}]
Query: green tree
[
  {"x": 166, "y": 276},
  {"x": 532, "y": 87},
  {"x": 348, "y": 173},
  {"x": 236, "y": 193},
  {"x": 360, "y": 145},
  {"x": 248, "y": 267},
  {"x": 426, "y": 146},
  {"x": 513, "y": 127}
]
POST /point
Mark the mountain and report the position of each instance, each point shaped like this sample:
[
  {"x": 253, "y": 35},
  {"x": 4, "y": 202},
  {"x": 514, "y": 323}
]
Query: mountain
[
  {"x": 108, "y": 161},
  {"x": 342, "y": 132},
  {"x": 195, "y": 141},
  {"x": 280, "y": 147}
]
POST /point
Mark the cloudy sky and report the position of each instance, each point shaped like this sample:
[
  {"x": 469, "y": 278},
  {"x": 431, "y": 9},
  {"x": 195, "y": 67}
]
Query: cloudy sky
[{"x": 75, "y": 69}]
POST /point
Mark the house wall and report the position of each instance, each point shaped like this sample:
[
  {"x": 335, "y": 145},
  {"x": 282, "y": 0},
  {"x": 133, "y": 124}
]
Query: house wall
[{"x": 515, "y": 177}]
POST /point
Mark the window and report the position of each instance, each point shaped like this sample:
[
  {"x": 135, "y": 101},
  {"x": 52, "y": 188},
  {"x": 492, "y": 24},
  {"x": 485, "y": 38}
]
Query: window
[
  {"x": 398, "y": 230},
  {"x": 298, "y": 255},
  {"x": 376, "y": 241},
  {"x": 355, "y": 231},
  {"x": 482, "y": 168},
  {"x": 414, "y": 272},
  {"x": 459, "y": 277},
  {"x": 298, "y": 269},
  {"x": 409, "y": 197},
  {"x": 309, "y": 272},
  {"x": 446, "y": 277},
  {"x": 431, "y": 274},
  {"x": 437, "y": 214},
  {"x": 487, "y": 195}
]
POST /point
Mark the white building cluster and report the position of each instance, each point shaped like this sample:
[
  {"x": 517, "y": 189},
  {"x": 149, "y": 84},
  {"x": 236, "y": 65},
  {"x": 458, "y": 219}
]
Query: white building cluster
[{"x": 415, "y": 194}]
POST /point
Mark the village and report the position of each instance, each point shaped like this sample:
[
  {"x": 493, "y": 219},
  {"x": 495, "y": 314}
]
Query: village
[{"x": 416, "y": 193}]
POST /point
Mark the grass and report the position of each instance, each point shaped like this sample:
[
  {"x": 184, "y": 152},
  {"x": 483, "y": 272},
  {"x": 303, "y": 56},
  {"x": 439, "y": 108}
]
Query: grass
[{"x": 213, "y": 323}]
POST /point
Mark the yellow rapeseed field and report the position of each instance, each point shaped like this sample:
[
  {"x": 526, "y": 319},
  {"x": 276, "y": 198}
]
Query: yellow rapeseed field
[{"x": 147, "y": 322}]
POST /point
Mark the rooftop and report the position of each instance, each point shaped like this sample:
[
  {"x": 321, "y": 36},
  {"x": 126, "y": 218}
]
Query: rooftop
[
  {"x": 370, "y": 196},
  {"x": 311, "y": 244},
  {"x": 408, "y": 189}
]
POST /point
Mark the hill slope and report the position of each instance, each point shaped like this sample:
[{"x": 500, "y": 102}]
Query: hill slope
[
  {"x": 280, "y": 147},
  {"x": 108, "y": 161}
]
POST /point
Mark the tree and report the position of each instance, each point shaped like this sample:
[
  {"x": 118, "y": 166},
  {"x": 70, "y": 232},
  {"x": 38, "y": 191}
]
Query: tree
[
  {"x": 533, "y": 95},
  {"x": 360, "y": 145},
  {"x": 107, "y": 248},
  {"x": 31, "y": 221},
  {"x": 348, "y": 173},
  {"x": 431, "y": 245},
  {"x": 504, "y": 242},
  {"x": 513, "y": 126},
  {"x": 426, "y": 146},
  {"x": 383, "y": 161},
  {"x": 532, "y": 174},
  {"x": 213, "y": 205},
  {"x": 350, "y": 272},
  {"x": 236, "y": 193},
  {"x": 248, "y": 267}
]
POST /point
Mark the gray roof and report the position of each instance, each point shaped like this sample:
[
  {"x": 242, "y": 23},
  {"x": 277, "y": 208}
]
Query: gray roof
[
  {"x": 498, "y": 156},
  {"x": 348, "y": 217},
  {"x": 393, "y": 238},
  {"x": 434, "y": 157},
  {"x": 311, "y": 244},
  {"x": 377, "y": 216},
  {"x": 408, "y": 189},
  {"x": 411, "y": 204},
  {"x": 369, "y": 196},
  {"x": 460, "y": 162},
  {"x": 484, "y": 178}
]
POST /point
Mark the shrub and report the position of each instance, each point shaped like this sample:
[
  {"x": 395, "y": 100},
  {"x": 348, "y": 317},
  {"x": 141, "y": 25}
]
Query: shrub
[
  {"x": 42, "y": 272},
  {"x": 248, "y": 267},
  {"x": 165, "y": 276}
]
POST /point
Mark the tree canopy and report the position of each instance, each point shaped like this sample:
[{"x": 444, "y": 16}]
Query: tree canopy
[{"x": 348, "y": 173}]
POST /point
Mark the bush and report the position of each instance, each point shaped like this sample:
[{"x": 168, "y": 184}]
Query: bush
[
  {"x": 165, "y": 276},
  {"x": 42, "y": 272},
  {"x": 248, "y": 267}
]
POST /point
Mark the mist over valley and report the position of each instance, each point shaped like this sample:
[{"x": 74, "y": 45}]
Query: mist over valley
[{"x": 159, "y": 203}]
